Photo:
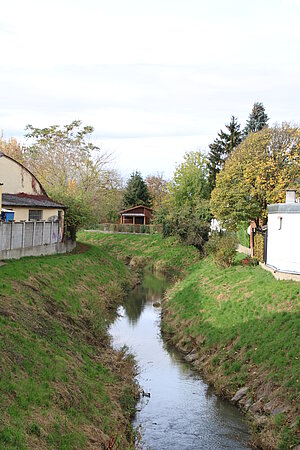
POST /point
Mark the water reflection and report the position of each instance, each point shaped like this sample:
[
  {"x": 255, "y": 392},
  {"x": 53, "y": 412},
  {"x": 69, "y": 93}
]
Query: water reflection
[
  {"x": 182, "y": 412},
  {"x": 149, "y": 291}
]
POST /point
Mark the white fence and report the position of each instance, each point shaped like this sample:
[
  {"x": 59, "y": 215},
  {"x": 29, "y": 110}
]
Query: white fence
[{"x": 19, "y": 235}]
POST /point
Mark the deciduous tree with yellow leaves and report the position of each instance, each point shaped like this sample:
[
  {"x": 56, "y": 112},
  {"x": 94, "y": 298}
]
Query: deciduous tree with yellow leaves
[
  {"x": 72, "y": 169},
  {"x": 257, "y": 174}
]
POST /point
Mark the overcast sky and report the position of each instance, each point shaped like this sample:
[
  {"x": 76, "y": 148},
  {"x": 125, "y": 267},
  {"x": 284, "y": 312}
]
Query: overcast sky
[{"x": 155, "y": 78}]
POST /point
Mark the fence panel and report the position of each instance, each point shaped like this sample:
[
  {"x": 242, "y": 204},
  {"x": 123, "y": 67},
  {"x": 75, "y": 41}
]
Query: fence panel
[
  {"x": 47, "y": 233},
  {"x": 28, "y": 238},
  {"x": 38, "y": 235},
  {"x": 15, "y": 235},
  {"x": 5, "y": 236},
  {"x": 55, "y": 232},
  {"x": 128, "y": 228}
]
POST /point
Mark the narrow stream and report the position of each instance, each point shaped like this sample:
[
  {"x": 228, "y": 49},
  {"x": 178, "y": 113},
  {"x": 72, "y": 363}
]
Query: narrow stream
[{"x": 182, "y": 412}]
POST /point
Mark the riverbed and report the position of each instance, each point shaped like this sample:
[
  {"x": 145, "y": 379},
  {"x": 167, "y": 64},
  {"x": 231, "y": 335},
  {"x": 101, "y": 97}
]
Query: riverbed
[{"x": 178, "y": 409}]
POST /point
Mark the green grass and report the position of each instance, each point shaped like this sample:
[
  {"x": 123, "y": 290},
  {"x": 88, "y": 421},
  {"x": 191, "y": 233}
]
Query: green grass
[
  {"x": 59, "y": 380},
  {"x": 246, "y": 308},
  {"x": 58, "y": 377},
  {"x": 249, "y": 324},
  {"x": 246, "y": 323},
  {"x": 165, "y": 255},
  {"x": 241, "y": 306}
]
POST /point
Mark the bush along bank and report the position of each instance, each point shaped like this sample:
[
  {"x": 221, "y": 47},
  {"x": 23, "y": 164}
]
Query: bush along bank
[
  {"x": 61, "y": 384},
  {"x": 240, "y": 327}
]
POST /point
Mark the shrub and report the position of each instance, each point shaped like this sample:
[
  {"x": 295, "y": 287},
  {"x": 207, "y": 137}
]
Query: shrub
[
  {"x": 192, "y": 226},
  {"x": 192, "y": 233},
  {"x": 211, "y": 245},
  {"x": 223, "y": 249},
  {"x": 161, "y": 217},
  {"x": 259, "y": 247},
  {"x": 166, "y": 229},
  {"x": 248, "y": 261},
  {"x": 78, "y": 213}
]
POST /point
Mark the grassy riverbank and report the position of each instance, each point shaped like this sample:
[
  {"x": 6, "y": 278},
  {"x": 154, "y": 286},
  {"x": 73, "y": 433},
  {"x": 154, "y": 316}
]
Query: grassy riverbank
[
  {"x": 242, "y": 324},
  {"x": 166, "y": 256},
  {"x": 61, "y": 385},
  {"x": 245, "y": 327}
]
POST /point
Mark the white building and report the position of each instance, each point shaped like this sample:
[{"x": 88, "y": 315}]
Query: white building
[{"x": 283, "y": 247}]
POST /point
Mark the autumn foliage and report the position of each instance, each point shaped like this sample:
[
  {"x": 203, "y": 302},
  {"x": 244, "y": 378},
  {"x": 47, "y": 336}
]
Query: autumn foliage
[{"x": 256, "y": 174}]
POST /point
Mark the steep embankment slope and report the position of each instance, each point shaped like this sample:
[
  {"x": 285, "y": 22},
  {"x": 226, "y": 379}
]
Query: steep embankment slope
[
  {"x": 164, "y": 255},
  {"x": 241, "y": 325},
  {"x": 243, "y": 328},
  {"x": 61, "y": 386}
]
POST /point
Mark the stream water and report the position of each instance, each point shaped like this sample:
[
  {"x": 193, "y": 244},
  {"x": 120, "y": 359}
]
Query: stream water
[{"x": 182, "y": 411}]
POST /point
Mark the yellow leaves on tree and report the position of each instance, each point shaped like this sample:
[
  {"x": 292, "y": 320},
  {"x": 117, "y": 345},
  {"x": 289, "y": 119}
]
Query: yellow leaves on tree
[{"x": 256, "y": 174}]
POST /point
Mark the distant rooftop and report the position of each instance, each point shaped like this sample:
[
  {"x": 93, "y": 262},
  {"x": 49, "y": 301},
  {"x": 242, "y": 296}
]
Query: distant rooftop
[{"x": 135, "y": 207}]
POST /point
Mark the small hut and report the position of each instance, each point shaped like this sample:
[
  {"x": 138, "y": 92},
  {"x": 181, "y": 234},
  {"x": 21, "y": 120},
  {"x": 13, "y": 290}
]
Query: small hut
[{"x": 137, "y": 215}]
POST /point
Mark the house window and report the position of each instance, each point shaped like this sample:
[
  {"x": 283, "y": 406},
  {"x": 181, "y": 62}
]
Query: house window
[
  {"x": 35, "y": 214},
  {"x": 139, "y": 220}
]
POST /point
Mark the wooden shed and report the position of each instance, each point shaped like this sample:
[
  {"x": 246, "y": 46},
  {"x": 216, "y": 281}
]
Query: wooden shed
[{"x": 137, "y": 215}]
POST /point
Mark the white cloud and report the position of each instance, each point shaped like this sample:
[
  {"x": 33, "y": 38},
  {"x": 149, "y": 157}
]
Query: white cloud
[
  {"x": 151, "y": 155},
  {"x": 169, "y": 71}
]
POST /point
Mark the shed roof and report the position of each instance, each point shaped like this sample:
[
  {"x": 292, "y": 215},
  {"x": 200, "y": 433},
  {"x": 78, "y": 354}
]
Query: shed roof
[
  {"x": 134, "y": 207},
  {"x": 26, "y": 200}
]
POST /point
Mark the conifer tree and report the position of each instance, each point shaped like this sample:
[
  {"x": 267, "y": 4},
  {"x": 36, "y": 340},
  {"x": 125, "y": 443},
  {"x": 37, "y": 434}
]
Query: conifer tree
[
  {"x": 221, "y": 148},
  {"x": 258, "y": 119},
  {"x": 136, "y": 192}
]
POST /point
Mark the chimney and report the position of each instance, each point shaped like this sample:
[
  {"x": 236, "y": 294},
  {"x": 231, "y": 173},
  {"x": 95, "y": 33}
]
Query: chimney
[{"x": 290, "y": 196}]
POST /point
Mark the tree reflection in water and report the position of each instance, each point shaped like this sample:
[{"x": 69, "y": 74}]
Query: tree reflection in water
[{"x": 150, "y": 291}]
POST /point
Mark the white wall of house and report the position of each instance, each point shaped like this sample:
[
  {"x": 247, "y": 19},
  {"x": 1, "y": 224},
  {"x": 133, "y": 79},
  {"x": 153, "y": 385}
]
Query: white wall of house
[{"x": 283, "y": 251}]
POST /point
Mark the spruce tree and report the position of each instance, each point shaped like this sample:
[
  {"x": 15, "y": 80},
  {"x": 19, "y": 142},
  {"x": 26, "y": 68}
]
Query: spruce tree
[
  {"x": 258, "y": 119},
  {"x": 221, "y": 148},
  {"x": 136, "y": 192}
]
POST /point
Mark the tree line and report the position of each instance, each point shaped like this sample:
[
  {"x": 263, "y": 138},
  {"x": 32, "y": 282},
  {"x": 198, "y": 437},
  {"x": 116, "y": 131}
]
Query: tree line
[
  {"x": 78, "y": 174},
  {"x": 243, "y": 171}
]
